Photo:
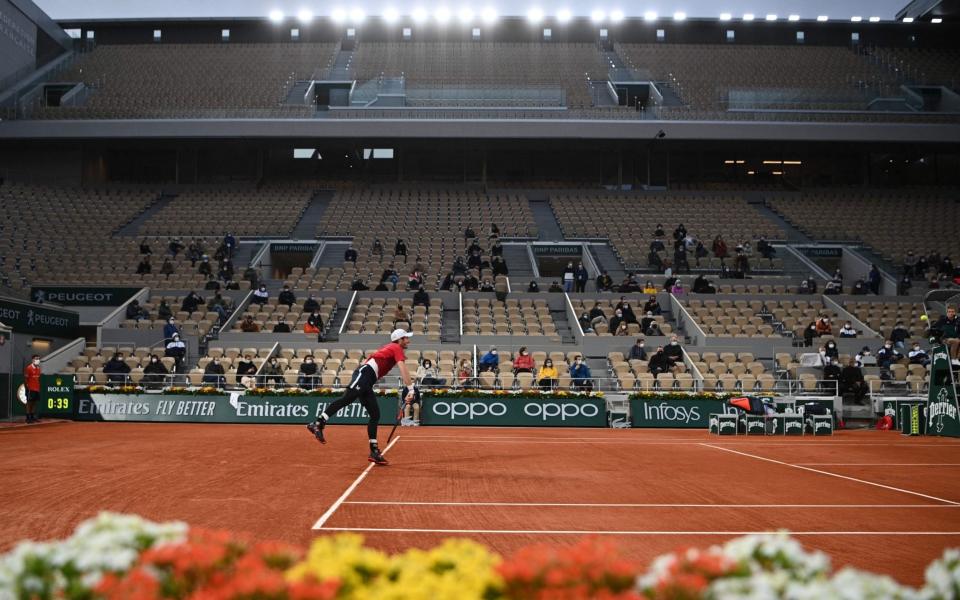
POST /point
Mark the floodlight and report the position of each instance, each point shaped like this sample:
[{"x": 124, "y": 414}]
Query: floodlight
[
  {"x": 874, "y": 19},
  {"x": 936, "y": 20},
  {"x": 442, "y": 15},
  {"x": 305, "y": 15},
  {"x": 465, "y": 14},
  {"x": 276, "y": 15},
  {"x": 564, "y": 15},
  {"x": 535, "y": 15},
  {"x": 771, "y": 17},
  {"x": 908, "y": 19},
  {"x": 856, "y": 19},
  {"x": 616, "y": 16},
  {"x": 597, "y": 16},
  {"x": 650, "y": 16},
  {"x": 419, "y": 14},
  {"x": 489, "y": 15},
  {"x": 748, "y": 17},
  {"x": 338, "y": 15},
  {"x": 357, "y": 16},
  {"x": 390, "y": 15},
  {"x": 725, "y": 16},
  {"x": 823, "y": 18},
  {"x": 679, "y": 16}
]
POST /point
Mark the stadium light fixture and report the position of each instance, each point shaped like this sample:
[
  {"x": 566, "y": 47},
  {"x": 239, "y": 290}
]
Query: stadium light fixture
[
  {"x": 535, "y": 15},
  {"x": 823, "y": 18},
  {"x": 725, "y": 16},
  {"x": 564, "y": 15},
  {"x": 357, "y": 16},
  {"x": 908, "y": 19},
  {"x": 874, "y": 19},
  {"x": 936, "y": 20},
  {"x": 650, "y": 16},
  {"x": 616, "y": 16},
  {"x": 488, "y": 15},
  {"x": 305, "y": 15},
  {"x": 339, "y": 16},
  {"x": 391, "y": 15},
  {"x": 679, "y": 16},
  {"x": 771, "y": 17},
  {"x": 442, "y": 15},
  {"x": 465, "y": 14},
  {"x": 748, "y": 17},
  {"x": 276, "y": 15},
  {"x": 856, "y": 19},
  {"x": 597, "y": 16},
  {"x": 419, "y": 15},
  {"x": 793, "y": 18}
]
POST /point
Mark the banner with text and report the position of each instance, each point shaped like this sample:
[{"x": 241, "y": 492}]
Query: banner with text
[
  {"x": 82, "y": 295},
  {"x": 943, "y": 414},
  {"x": 24, "y": 317},
  {"x": 515, "y": 412},
  {"x": 694, "y": 413}
]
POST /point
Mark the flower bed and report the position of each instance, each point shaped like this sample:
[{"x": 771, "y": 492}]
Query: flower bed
[{"x": 117, "y": 557}]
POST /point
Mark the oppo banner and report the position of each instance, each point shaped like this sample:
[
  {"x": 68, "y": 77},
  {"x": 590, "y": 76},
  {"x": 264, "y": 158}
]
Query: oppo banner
[
  {"x": 514, "y": 412},
  {"x": 693, "y": 413}
]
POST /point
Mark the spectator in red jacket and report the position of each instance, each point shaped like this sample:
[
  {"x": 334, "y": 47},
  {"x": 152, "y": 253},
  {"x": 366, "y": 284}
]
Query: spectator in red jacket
[
  {"x": 523, "y": 363},
  {"x": 31, "y": 380}
]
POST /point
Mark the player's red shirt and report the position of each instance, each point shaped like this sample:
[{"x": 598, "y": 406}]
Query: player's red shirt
[
  {"x": 386, "y": 357},
  {"x": 31, "y": 378}
]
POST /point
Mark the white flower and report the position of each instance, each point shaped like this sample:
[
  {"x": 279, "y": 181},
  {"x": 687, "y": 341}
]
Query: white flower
[
  {"x": 780, "y": 551},
  {"x": 943, "y": 577}
]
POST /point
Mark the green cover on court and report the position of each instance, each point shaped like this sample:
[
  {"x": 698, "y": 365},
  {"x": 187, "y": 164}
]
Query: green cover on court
[{"x": 943, "y": 414}]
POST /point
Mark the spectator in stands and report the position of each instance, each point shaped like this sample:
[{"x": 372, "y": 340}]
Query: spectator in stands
[
  {"x": 918, "y": 356},
  {"x": 377, "y": 249},
  {"x": 646, "y": 321},
  {"x": 230, "y": 243},
  {"x": 163, "y": 311},
  {"x": 247, "y": 372},
  {"x": 250, "y": 274},
  {"x": 447, "y": 282},
  {"x": 622, "y": 330},
  {"x": 459, "y": 267},
  {"x": 390, "y": 276},
  {"x": 899, "y": 335},
  {"x": 489, "y": 361},
  {"x": 350, "y": 255},
  {"x": 654, "y": 261},
  {"x": 357, "y": 285},
  {"x": 668, "y": 282},
  {"x": 474, "y": 247},
  {"x": 281, "y": 327},
  {"x": 852, "y": 382},
  {"x": 680, "y": 260},
  {"x": 555, "y": 287},
  {"x": 596, "y": 315},
  {"x": 494, "y": 231},
  {"x": 421, "y": 298},
  {"x": 469, "y": 233},
  {"x": 287, "y": 297},
  {"x": 427, "y": 374},
  {"x": 307, "y": 375},
  {"x": 465, "y": 374},
  {"x": 719, "y": 248},
  {"x": 946, "y": 267},
  {"x": 229, "y": 284},
  {"x": 260, "y": 295},
  {"x": 809, "y": 333},
  {"x": 830, "y": 351},
  {"x": 659, "y": 363},
  {"x": 860, "y": 288},
  {"x": 213, "y": 373},
  {"x": 910, "y": 265},
  {"x": 272, "y": 373},
  {"x": 194, "y": 252},
  {"x": 175, "y": 246},
  {"x": 400, "y": 249},
  {"x": 177, "y": 350},
  {"x": 580, "y": 278},
  {"x": 191, "y": 302},
  {"x": 547, "y": 376},
  {"x": 154, "y": 374},
  {"x": 701, "y": 285},
  {"x": 604, "y": 282},
  {"x": 673, "y": 351},
  {"x": 766, "y": 249},
  {"x": 833, "y": 287},
  {"x": 649, "y": 288},
  {"x": 225, "y": 272},
  {"x": 471, "y": 283},
  {"x": 144, "y": 267},
  {"x": 166, "y": 268},
  {"x": 533, "y": 288},
  {"x": 116, "y": 369},
  {"x": 873, "y": 280},
  {"x": 584, "y": 321},
  {"x": 311, "y": 304},
  {"x": 659, "y": 232},
  {"x": 500, "y": 266},
  {"x": 624, "y": 306},
  {"x": 949, "y": 327},
  {"x": 170, "y": 329},
  {"x": 679, "y": 233},
  {"x": 847, "y": 331},
  {"x": 628, "y": 285},
  {"x": 888, "y": 355},
  {"x": 249, "y": 325},
  {"x": 865, "y": 358},
  {"x": 904, "y": 285},
  {"x": 741, "y": 263},
  {"x": 145, "y": 247},
  {"x": 137, "y": 312},
  {"x": 523, "y": 363},
  {"x": 568, "y": 277},
  {"x": 823, "y": 326},
  {"x": 212, "y": 284},
  {"x": 616, "y": 321},
  {"x": 487, "y": 286},
  {"x": 580, "y": 377},
  {"x": 314, "y": 325},
  {"x": 677, "y": 289},
  {"x": 219, "y": 305},
  {"x": 637, "y": 351},
  {"x": 496, "y": 249}
]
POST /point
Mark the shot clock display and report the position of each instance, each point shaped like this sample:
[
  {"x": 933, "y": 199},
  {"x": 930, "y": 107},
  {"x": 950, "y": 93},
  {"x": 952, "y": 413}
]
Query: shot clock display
[{"x": 56, "y": 396}]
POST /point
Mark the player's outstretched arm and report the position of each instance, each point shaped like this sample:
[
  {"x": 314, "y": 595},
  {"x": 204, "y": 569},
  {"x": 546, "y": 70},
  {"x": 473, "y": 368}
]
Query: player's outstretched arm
[{"x": 406, "y": 379}]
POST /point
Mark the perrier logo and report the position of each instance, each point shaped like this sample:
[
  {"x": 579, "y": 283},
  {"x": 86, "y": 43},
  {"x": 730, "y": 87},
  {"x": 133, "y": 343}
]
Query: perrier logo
[{"x": 941, "y": 407}]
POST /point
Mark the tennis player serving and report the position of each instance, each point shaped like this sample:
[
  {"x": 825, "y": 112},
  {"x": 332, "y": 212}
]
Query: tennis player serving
[{"x": 361, "y": 385}]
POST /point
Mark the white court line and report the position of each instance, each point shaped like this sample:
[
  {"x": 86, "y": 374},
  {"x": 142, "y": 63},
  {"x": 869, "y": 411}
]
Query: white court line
[
  {"x": 631, "y": 505},
  {"x": 637, "y": 442},
  {"x": 880, "y": 485},
  {"x": 878, "y": 464},
  {"x": 659, "y": 533},
  {"x": 333, "y": 507}
]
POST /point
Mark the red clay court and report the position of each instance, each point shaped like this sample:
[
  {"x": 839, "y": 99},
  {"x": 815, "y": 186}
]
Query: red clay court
[{"x": 876, "y": 500}]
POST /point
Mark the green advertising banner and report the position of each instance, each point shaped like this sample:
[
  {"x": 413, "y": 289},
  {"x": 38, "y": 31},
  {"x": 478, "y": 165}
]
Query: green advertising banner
[
  {"x": 693, "y": 413},
  {"x": 56, "y": 397},
  {"x": 68, "y": 295},
  {"x": 233, "y": 408},
  {"x": 943, "y": 416},
  {"x": 24, "y": 317},
  {"x": 515, "y": 412}
]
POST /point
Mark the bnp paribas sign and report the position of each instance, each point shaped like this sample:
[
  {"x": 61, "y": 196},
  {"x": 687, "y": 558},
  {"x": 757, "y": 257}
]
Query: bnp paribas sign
[{"x": 943, "y": 414}]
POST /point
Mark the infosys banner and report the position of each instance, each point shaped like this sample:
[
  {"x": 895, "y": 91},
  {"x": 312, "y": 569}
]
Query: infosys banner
[
  {"x": 81, "y": 295},
  {"x": 693, "y": 413},
  {"x": 236, "y": 408},
  {"x": 515, "y": 412}
]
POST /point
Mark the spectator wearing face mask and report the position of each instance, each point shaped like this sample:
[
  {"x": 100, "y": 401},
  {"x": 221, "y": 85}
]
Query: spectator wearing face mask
[
  {"x": 307, "y": 375},
  {"x": 137, "y": 312},
  {"x": 616, "y": 321},
  {"x": 888, "y": 355},
  {"x": 533, "y": 287},
  {"x": 637, "y": 351},
  {"x": 427, "y": 374},
  {"x": 580, "y": 376},
  {"x": 213, "y": 373},
  {"x": 623, "y": 330},
  {"x": 652, "y": 306},
  {"x": 568, "y": 275},
  {"x": 604, "y": 282},
  {"x": 809, "y": 333},
  {"x": 547, "y": 376},
  {"x": 489, "y": 361},
  {"x": 177, "y": 350},
  {"x": 272, "y": 373},
  {"x": 465, "y": 374},
  {"x": 585, "y": 325},
  {"x": 917, "y": 355},
  {"x": 673, "y": 351},
  {"x": 873, "y": 280},
  {"x": 831, "y": 351},
  {"x": 949, "y": 327},
  {"x": 555, "y": 288},
  {"x": 247, "y": 372},
  {"x": 659, "y": 362},
  {"x": 677, "y": 289},
  {"x": 249, "y": 325},
  {"x": 596, "y": 315},
  {"x": 899, "y": 335},
  {"x": 287, "y": 297},
  {"x": 164, "y": 313},
  {"x": 847, "y": 331},
  {"x": 865, "y": 358},
  {"x": 154, "y": 374},
  {"x": 580, "y": 278},
  {"x": 523, "y": 363},
  {"x": 824, "y": 327},
  {"x": 281, "y": 327},
  {"x": 260, "y": 296},
  {"x": 191, "y": 302},
  {"x": 116, "y": 369},
  {"x": 852, "y": 382}
]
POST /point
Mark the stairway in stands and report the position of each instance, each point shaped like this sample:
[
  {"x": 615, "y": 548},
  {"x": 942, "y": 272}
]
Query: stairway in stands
[
  {"x": 518, "y": 262},
  {"x": 450, "y": 325},
  {"x": 607, "y": 260},
  {"x": 306, "y": 228},
  {"x": 133, "y": 227},
  {"x": 547, "y": 227}
]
